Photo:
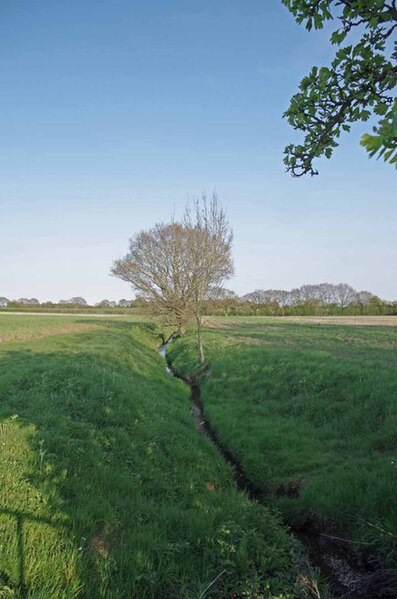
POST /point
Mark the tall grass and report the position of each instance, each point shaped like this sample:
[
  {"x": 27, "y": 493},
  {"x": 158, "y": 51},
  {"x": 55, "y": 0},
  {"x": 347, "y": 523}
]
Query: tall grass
[
  {"x": 107, "y": 490},
  {"x": 311, "y": 412}
]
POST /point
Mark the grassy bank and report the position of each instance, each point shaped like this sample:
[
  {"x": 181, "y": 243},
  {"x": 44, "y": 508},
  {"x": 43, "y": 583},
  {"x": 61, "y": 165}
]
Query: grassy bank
[
  {"x": 107, "y": 490},
  {"x": 311, "y": 412}
]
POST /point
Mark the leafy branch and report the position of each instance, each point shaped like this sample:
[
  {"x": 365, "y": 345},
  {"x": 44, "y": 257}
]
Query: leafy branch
[{"x": 358, "y": 83}]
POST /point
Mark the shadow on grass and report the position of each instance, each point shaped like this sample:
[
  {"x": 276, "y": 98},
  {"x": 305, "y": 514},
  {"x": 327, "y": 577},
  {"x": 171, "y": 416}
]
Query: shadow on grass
[
  {"x": 20, "y": 518},
  {"x": 91, "y": 404},
  {"x": 111, "y": 493}
]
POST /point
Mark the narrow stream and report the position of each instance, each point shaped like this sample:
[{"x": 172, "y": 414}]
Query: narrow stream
[{"x": 348, "y": 574}]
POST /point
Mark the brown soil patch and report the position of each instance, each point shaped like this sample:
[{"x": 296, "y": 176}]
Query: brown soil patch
[{"x": 100, "y": 545}]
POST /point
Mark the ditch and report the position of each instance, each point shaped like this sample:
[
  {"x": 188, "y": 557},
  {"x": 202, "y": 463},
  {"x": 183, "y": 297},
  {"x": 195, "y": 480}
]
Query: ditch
[{"x": 348, "y": 573}]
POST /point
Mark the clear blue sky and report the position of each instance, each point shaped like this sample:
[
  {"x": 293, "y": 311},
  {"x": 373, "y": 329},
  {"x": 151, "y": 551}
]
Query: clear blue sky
[{"x": 114, "y": 112}]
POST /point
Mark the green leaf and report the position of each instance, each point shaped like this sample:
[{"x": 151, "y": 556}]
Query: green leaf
[
  {"x": 318, "y": 21},
  {"x": 337, "y": 37},
  {"x": 381, "y": 109}
]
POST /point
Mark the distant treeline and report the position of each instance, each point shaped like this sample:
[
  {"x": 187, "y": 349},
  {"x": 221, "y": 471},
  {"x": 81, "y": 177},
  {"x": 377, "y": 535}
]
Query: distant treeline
[
  {"x": 324, "y": 299},
  {"x": 77, "y": 304}
]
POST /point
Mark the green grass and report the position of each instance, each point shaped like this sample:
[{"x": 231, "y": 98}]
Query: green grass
[
  {"x": 311, "y": 412},
  {"x": 107, "y": 490},
  {"x": 25, "y": 327}
]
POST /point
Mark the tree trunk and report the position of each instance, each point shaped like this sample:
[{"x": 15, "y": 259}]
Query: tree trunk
[
  {"x": 181, "y": 326},
  {"x": 199, "y": 339}
]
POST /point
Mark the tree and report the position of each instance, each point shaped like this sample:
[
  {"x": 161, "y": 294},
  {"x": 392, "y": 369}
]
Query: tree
[
  {"x": 221, "y": 301},
  {"x": 77, "y": 301},
  {"x": 175, "y": 266},
  {"x": 282, "y": 298},
  {"x": 210, "y": 251},
  {"x": 359, "y": 82},
  {"x": 257, "y": 297},
  {"x": 28, "y": 302},
  {"x": 326, "y": 293},
  {"x": 157, "y": 265},
  {"x": 344, "y": 295},
  {"x": 105, "y": 303},
  {"x": 124, "y": 303},
  {"x": 220, "y": 294},
  {"x": 364, "y": 299}
]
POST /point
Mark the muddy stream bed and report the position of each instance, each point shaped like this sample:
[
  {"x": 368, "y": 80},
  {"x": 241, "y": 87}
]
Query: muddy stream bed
[{"x": 349, "y": 574}]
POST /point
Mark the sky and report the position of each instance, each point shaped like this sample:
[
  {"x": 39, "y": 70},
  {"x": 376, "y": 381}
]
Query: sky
[{"x": 115, "y": 113}]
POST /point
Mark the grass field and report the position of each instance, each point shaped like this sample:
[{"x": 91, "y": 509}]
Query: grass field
[
  {"x": 107, "y": 490},
  {"x": 310, "y": 410},
  {"x": 25, "y": 327}
]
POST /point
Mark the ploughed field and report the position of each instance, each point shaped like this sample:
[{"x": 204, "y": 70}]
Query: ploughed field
[
  {"x": 106, "y": 488},
  {"x": 310, "y": 412}
]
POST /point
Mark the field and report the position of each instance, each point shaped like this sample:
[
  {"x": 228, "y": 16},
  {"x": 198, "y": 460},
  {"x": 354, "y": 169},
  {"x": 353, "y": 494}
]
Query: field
[
  {"x": 310, "y": 411},
  {"x": 25, "y": 327},
  {"x": 107, "y": 490}
]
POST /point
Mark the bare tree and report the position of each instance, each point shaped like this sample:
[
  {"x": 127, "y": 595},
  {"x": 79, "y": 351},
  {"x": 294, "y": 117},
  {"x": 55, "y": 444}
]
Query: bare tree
[
  {"x": 295, "y": 296},
  {"x": 283, "y": 298},
  {"x": 326, "y": 293},
  {"x": 308, "y": 293},
  {"x": 344, "y": 295},
  {"x": 210, "y": 253},
  {"x": 221, "y": 293},
  {"x": 364, "y": 299},
  {"x": 124, "y": 303},
  {"x": 256, "y": 297},
  {"x": 175, "y": 266},
  {"x": 157, "y": 265}
]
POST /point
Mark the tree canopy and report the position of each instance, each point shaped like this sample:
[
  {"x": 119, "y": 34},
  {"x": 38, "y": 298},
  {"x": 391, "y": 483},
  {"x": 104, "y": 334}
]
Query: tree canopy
[
  {"x": 175, "y": 266},
  {"x": 359, "y": 82},
  {"x": 158, "y": 266}
]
